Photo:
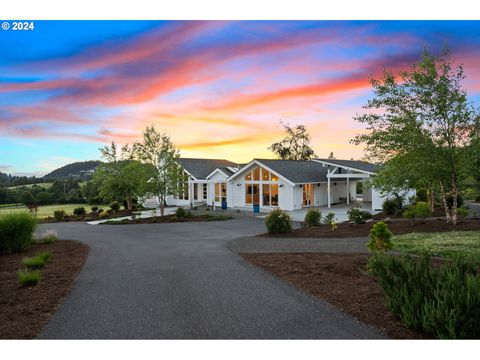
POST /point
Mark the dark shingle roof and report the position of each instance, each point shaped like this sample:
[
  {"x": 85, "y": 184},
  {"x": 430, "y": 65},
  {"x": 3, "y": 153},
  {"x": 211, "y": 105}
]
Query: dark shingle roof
[
  {"x": 201, "y": 168},
  {"x": 227, "y": 171},
  {"x": 297, "y": 171},
  {"x": 354, "y": 164}
]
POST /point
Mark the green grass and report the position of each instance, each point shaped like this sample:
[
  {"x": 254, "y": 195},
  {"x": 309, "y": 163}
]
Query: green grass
[
  {"x": 42, "y": 185},
  {"x": 445, "y": 244},
  {"x": 38, "y": 261},
  {"x": 29, "y": 277},
  {"x": 47, "y": 210}
]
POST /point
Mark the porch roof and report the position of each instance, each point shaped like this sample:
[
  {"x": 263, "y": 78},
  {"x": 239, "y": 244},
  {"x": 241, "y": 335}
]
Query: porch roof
[{"x": 201, "y": 168}]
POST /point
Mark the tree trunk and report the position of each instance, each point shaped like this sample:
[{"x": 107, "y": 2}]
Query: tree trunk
[
  {"x": 431, "y": 199},
  {"x": 455, "y": 200},
  {"x": 161, "y": 203},
  {"x": 129, "y": 202},
  {"x": 444, "y": 201}
]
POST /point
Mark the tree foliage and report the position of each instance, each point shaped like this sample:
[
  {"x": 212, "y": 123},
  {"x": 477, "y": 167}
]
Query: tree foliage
[
  {"x": 420, "y": 126},
  {"x": 295, "y": 145},
  {"x": 121, "y": 177},
  {"x": 158, "y": 151}
]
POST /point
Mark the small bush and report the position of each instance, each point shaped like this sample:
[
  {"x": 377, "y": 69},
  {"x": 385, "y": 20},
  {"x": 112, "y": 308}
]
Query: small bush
[
  {"x": 380, "y": 238},
  {"x": 115, "y": 206},
  {"x": 16, "y": 231},
  {"x": 100, "y": 210},
  {"x": 59, "y": 215},
  {"x": 278, "y": 221},
  {"x": 462, "y": 213},
  {"x": 313, "y": 217},
  {"x": 327, "y": 219},
  {"x": 180, "y": 213},
  {"x": 49, "y": 237},
  {"x": 103, "y": 214},
  {"x": 422, "y": 210},
  {"x": 94, "y": 209},
  {"x": 391, "y": 206},
  {"x": 443, "y": 301},
  {"x": 79, "y": 211},
  {"x": 358, "y": 216},
  {"x": 38, "y": 261},
  {"x": 28, "y": 277},
  {"x": 477, "y": 199}
]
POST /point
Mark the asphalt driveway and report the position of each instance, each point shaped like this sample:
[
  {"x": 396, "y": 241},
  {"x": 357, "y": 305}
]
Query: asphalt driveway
[{"x": 180, "y": 281}]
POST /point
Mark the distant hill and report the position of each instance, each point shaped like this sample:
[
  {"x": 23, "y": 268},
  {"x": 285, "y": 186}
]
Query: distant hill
[{"x": 79, "y": 170}]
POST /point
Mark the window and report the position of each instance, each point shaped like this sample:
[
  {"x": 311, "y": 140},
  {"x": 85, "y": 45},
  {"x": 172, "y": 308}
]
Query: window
[
  {"x": 217, "y": 192},
  {"x": 248, "y": 194},
  {"x": 274, "y": 178},
  {"x": 265, "y": 175},
  {"x": 252, "y": 195},
  {"x": 205, "y": 191},
  {"x": 248, "y": 176},
  {"x": 195, "y": 191},
  {"x": 274, "y": 194},
  {"x": 224, "y": 191},
  {"x": 256, "y": 174},
  {"x": 182, "y": 186},
  {"x": 266, "y": 194}
]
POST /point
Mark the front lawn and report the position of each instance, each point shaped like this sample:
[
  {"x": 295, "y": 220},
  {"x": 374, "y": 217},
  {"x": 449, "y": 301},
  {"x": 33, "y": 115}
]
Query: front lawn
[
  {"x": 440, "y": 243},
  {"x": 47, "y": 210}
]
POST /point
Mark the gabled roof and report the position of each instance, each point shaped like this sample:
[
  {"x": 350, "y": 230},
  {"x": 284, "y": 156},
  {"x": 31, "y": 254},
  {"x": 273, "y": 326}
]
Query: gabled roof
[
  {"x": 352, "y": 164},
  {"x": 201, "y": 168},
  {"x": 223, "y": 170},
  {"x": 295, "y": 171}
]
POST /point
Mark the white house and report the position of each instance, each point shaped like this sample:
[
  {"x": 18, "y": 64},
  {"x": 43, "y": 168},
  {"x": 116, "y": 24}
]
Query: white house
[{"x": 267, "y": 183}]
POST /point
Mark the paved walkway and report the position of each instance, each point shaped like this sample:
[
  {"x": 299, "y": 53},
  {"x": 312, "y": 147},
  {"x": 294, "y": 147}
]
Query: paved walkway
[
  {"x": 254, "y": 244},
  {"x": 180, "y": 281}
]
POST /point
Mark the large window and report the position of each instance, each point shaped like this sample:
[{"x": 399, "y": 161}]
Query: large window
[
  {"x": 261, "y": 184},
  {"x": 182, "y": 186},
  {"x": 205, "y": 191},
  {"x": 252, "y": 195},
  {"x": 220, "y": 192}
]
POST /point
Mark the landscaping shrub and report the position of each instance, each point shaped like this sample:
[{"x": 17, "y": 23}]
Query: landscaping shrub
[
  {"x": 28, "y": 277},
  {"x": 115, "y": 206},
  {"x": 180, "y": 213},
  {"x": 440, "y": 300},
  {"x": 103, "y": 214},
  {"x": 462, "y": 213},
  {"x": 450, "y": 201},
  {"x": 38, "y": 261},
  {"x": 59, "y": 215},
  {"x": 391, "y": 206},
  {"x": 313, "y": 217},
  {"x": 94, "y": 209},
  {"x": 420, "y": 210},
  {"x": 79, "y": 211},
  {"x": 327, "y": 219},
  {"x": 477, "y": 199},
  {"x": 358, "y": 216},
  {"x": 16, "y": 231},
  {"x": 100, "y": 210},
  {"x": 49, "y": 237},
  {"x": 278, "y": 221},
  {"x": 380, "y": 238}
]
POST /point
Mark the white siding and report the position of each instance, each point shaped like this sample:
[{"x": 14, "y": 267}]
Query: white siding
[{"x": 286, "y": 196}]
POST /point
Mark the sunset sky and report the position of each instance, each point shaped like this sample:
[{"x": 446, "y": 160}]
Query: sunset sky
[{"x": 218, "y": 88}]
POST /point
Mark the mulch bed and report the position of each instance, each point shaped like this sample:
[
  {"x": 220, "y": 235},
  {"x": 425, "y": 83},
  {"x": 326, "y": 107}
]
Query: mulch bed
[
  {"x": 340, "y": 280},
  {"x": 167, "y": 219},
  {"x": 437, "y": 212},
  {"x": 397, "y": 227},
  {"x": 25, "y": 310},
  {"x": 87, "y": 217}
]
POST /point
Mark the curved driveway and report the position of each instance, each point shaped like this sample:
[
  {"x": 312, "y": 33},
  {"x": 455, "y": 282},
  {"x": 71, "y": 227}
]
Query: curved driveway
[{"x": 180, "y": 281}]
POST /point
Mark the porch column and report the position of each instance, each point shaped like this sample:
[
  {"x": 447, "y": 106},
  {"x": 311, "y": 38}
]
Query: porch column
[
  {"x": 328, "y": 186},
  {"x": 190, "y": 190},
  {"x": 348, "y": 188}
]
